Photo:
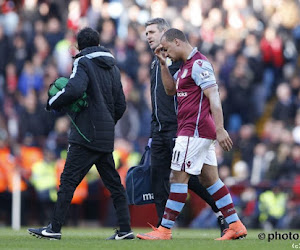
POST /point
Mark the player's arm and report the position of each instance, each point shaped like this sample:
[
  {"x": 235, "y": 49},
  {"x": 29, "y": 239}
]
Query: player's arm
[
  {"x": 223, "y": 138},
  {"x": 204, "y": 77},
  {"x": 167, "y": 79}
]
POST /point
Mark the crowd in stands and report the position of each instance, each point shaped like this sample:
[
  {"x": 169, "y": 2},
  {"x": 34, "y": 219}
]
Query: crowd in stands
[{"x": 254, "y": 48}]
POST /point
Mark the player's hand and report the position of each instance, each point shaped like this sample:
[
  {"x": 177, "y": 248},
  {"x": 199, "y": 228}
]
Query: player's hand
[
  {"x": 224, "y": 139},
  {"x": 160, "y": 54}
]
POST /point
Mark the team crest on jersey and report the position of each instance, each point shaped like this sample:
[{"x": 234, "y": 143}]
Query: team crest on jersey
[
  {"x": 199, "y": 62},
  {"x": 184, "y": 73},
  {"x": 152, "y": 64}
]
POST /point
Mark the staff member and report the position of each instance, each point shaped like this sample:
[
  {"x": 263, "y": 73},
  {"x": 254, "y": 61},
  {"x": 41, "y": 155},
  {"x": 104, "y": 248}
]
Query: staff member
[{"x": 91, "y": 140}]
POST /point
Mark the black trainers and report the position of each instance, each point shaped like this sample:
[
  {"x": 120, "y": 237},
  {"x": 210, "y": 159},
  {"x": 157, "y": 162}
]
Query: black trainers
[
  {"x": 44, "y": 233},
  {"x": 222, "y": 224},
  {"x": 122, "y": 236}
]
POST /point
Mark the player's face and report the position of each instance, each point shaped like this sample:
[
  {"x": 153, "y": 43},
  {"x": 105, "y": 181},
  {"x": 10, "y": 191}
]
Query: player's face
[
  {"x": 170, "y": 49},
  {"x": 153, "y": 36}
]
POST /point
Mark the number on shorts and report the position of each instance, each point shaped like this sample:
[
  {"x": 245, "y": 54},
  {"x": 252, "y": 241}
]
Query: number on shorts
[{"x": 175, "y": 156}]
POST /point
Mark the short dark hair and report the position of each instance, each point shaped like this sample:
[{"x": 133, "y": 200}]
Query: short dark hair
[
  {"x": 87, "y": 37},
  {"x": 162, "y": 24},
  {"x": 171, "y": 34}
]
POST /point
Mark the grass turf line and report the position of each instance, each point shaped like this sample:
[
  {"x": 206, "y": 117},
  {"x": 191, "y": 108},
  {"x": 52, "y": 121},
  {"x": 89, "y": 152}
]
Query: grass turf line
[{"x": 94, "y": 238}]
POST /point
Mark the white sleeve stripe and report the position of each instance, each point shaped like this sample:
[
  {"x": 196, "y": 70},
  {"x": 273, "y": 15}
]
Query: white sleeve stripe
[
  {"x": 208, "y": 85},
  {"x": 58, "y": 94},
  {"x": 75, "y": 65},
  {"x": 89, "y": 56},
  {"x": 96, "y": 54}
]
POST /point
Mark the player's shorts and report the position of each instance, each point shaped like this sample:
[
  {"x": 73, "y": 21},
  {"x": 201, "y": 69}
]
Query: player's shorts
[{"x": 190, "y": 153}]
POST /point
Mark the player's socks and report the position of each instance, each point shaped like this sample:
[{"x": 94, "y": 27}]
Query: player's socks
[
  {"x": 223, "y": 200},
  {"x": 175, "y": 203}
]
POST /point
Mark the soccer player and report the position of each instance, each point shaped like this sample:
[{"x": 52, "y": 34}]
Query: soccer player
[
  {"x": 164, "y": 128},
  {"x": 200, "y": 124}
]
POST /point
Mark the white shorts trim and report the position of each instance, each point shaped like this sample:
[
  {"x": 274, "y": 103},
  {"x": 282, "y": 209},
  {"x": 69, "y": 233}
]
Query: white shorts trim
[{"x": 190, "y": 153}]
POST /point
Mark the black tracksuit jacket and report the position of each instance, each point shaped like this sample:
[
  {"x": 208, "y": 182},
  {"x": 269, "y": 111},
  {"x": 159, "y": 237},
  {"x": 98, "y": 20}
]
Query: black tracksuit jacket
[
  {"x": 164, "y": 107},
  {"x": 94, "y": 71}
]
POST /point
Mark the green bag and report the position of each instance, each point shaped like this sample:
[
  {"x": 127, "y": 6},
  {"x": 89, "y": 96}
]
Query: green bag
[{"x": 58, "y": 85}]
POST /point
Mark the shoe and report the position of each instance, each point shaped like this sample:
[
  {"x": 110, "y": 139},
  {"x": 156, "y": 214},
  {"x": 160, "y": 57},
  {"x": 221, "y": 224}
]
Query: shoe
[
  {"x": 45, "y": 233},
  {"x": 235, "y": 231},
  {"x": 222, "y": 224},
  {"x": 122, "y": 236},
  {"x": 160, "y": 233}
]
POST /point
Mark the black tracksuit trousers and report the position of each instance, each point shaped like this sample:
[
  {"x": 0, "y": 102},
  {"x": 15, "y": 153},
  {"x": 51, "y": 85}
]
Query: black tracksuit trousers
[
  {"x": 79, "y": 161},
  {"x": 161, "y": 155}
]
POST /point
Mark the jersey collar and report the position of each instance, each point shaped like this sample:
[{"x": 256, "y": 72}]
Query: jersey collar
[{"x": 194, "y": 51}]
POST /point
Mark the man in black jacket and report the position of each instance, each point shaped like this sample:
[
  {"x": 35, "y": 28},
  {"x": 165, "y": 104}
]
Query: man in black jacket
[
  {"x": 164, "y": 129},
  {"x": 91, "y": 140}
]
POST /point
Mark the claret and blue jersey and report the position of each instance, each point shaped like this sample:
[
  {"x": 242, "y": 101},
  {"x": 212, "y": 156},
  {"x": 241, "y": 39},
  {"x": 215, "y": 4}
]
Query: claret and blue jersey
[{"x": 194, "y": 116}]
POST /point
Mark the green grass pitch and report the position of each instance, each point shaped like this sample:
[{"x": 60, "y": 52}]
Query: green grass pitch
[{"x": 94, "y": 238}]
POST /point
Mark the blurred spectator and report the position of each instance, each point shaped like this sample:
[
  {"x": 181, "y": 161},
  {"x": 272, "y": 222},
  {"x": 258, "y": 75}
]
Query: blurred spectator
[
  {"x": 53, "y": 32},
  {"x": 295, "y": 85},
  {"x": 57, "y": 139},
  {"x": 34, "y": 123},
  {"x": 246, "y": 142},
  {"x": 144, "y": 107},
  {"x": 295, "y": 160},
  {"x": 11, "y": 78},
  {"x": 249, "y": 208},
  {"x": 241, "y": 90},
  {"x": 271, "y": 47},
  {"x": 5, "y": 55},
  {"x": 272, "y": 207},
  {"x": 261, "y": 163},
  {"x": 9, "y": 18},
  {"x": 239, "y": 179},
  {"x": 93, "y": 13},
  {"x": 296, "y": 129},
  {"x": 284, "y": 109},
  {"x": 30, "y": 79},
  {"x": 63, "y": 52},
  {"x": 108, "y": 33},
  {"x": 279, "y": 166},
  {"x": 240, "y": 172},
  {"x": 129, "y": 125},
  {"x": 19, "y": 53},
  {"x": 43, "y": 179},
  {"x": 41, "y": 48},
  {"x": 73, "y": 15}
]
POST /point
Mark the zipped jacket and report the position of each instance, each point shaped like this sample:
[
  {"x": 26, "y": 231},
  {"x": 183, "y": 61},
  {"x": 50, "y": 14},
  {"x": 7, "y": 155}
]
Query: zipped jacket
[{"x": 94, "y": 72}]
